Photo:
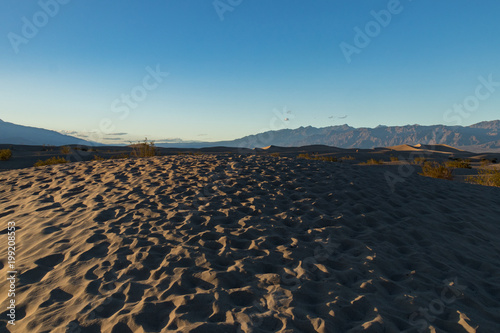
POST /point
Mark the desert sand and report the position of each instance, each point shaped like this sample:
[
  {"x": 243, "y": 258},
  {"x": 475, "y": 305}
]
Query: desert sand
[{"x": 232, "y": 243}]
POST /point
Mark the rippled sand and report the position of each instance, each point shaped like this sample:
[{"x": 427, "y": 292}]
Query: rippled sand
[{"x": 249, "y": 244}]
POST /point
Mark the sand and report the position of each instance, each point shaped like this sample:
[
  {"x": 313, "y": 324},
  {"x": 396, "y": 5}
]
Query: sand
[{"x": 227, "y": 243}]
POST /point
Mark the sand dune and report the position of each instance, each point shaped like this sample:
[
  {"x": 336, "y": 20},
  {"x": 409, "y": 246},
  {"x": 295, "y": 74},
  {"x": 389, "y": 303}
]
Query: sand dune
[
  {"x": 404, "y": 148},
  {"x": 228, "y": 243}
]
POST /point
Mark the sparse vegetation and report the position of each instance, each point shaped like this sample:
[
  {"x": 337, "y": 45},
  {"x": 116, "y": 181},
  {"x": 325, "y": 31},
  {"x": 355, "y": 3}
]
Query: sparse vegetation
[
  {"x": 485, "y": 162},
  {"x": 317, "y": 157},
  {"x": 459, "y": 164},
  {"x": 486, "y": 177},
  {"x": 373, "y": 161},
  {"x": 48, "y": 148},
  {"x": 144, "y": 149},
  {"x": 98, "y": 158},
  {"x": 419, "y": 160},
  {"x": 275, "y": 154},
  {"x": 189, "y": 153},
  {"x": 65, "y": 150},
  {"x": 394, "y": 158},
  {"x": 121, "y": 156},
  {"x": 5, "y": 154},
  {"x": 436, "y": 170},
  {"x": 348, "y": 158},
  {"x": 51, "y": 161}
]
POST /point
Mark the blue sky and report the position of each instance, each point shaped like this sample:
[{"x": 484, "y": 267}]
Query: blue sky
[{"x": 242, "y": 67}]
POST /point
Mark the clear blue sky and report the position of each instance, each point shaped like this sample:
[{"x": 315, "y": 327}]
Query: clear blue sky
[{"x": 233, "y": 77}]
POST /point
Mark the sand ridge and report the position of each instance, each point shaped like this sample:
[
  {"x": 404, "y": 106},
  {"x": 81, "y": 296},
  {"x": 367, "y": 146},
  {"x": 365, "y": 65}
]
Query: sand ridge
[{"x": 227, "y": 243}]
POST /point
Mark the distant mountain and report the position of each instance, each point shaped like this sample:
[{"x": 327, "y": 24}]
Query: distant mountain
[
  {"x": 480, "y": 137},
  {"x": 24, "y": 135}
]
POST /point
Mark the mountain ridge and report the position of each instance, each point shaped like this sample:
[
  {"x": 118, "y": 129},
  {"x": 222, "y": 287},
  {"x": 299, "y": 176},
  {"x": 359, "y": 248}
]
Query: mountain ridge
[
  {"x": 482, "y": 136},
  {"x": 11, "y": 133}
]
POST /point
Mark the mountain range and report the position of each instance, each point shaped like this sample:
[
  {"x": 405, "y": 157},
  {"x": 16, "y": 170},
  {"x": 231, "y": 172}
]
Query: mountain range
[
  {"x": 480, "y": 137},
  {"x": 25, "y": 135}
]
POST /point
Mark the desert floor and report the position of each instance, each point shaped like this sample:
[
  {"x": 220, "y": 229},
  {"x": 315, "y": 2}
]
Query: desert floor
[{"x": 232, "y": 243}]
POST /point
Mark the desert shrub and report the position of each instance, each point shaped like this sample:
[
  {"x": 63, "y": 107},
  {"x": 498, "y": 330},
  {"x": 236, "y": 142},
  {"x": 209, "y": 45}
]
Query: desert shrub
[
  {"x": 50, "y": 161},
  {"x": 65, "y": 150},
  {"x": 5, "y": 154},
  {"x": 326, "y": 158},
  {"x": 347, "y": 158},
  {"x": 436, "y": 170},
  {"x": 275, "y": 154},
  {"x": 305, "y": 156},
  {"x": 122, "y": 156},
  {"x": 459, "y": 164},
  {"x": 98, "y": 158},
  {"x": 486, "y": 177},
  {"x": 317, "y": 157},
  {"x": 485, "y": 162},
  {"x": 394, "y": 158},
  {"x": 144, "y": 149},
  {"x": 373, "y": 161},
  {"x": 419, "y": 160}
]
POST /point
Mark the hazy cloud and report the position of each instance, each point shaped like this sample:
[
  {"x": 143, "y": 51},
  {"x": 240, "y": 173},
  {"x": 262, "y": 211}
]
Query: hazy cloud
[{"x": 175, "y": 140}]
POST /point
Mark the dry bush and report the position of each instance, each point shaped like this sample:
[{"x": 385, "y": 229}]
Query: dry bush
[
  {"x": 373, "y": 161},
  {"x": 5, "y": 154},
  {"x": 65, "y": 150},
  {"x": 459, "y": 164},
  {"x": 347, "y": 158},
  {"x": 275, "y": 154},
  {"x": 144, "y": 149},
  {"x": 122, "y": 156},
  {"x": 305, "y": 156},
  {"x": 419, "y": 160},
  {"x": 486, "y": 177},
  {"x": 436, "y": 170},
  {"x": 317, "y": 157},
  {"x": 485, "y": 162},
  {"x": 98, "y": 158},
  {"x": 394, "y": 159},
  {"x": 50, "y": 161}
]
